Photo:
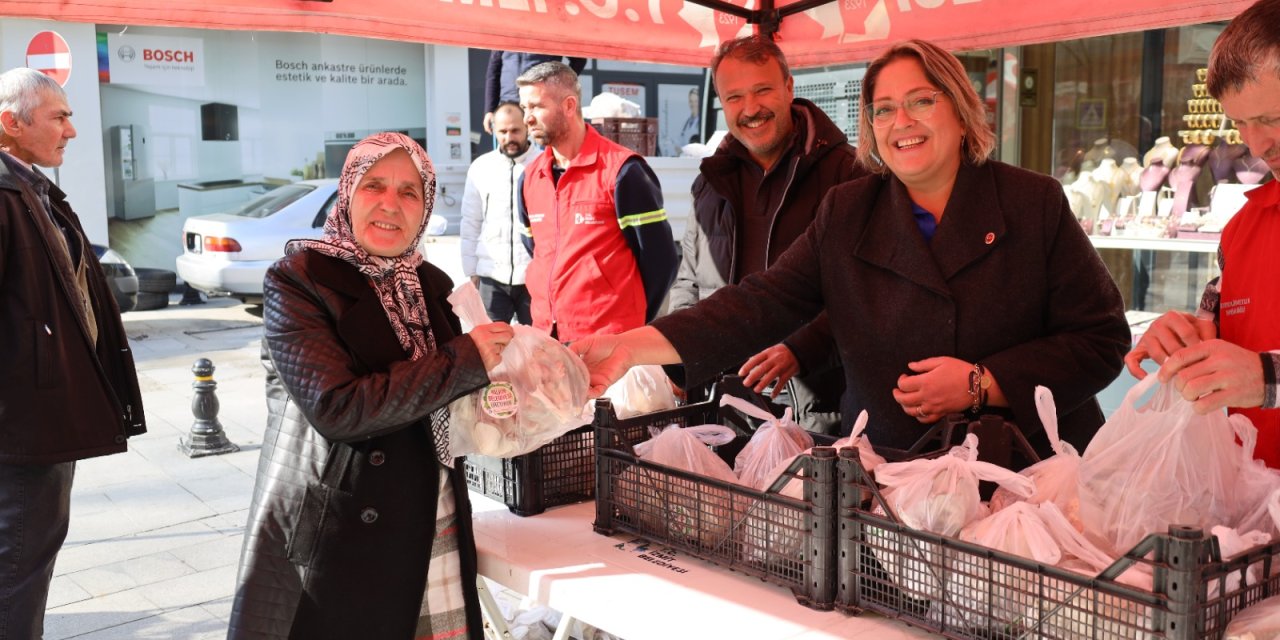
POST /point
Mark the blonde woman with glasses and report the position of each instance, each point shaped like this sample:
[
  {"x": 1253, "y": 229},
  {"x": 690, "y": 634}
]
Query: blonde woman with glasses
[{"x": 954, "y": 283}]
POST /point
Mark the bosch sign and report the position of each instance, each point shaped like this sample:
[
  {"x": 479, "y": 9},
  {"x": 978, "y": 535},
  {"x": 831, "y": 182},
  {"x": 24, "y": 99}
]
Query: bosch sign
[{"x": 168, "y": 55}]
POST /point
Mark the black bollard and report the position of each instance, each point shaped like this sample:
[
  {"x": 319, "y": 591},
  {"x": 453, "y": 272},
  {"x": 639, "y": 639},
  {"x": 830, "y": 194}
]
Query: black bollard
[
  {"x": 206, "y": 437},
  {"x": 190, "y": 295}
]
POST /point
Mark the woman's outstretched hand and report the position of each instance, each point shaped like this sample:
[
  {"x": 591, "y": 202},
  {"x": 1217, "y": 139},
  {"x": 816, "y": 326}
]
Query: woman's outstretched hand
[{"x": 606, "y": 357}]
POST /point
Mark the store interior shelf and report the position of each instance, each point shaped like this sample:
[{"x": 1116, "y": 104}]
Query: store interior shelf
[{"x": 1155, "y": 244}]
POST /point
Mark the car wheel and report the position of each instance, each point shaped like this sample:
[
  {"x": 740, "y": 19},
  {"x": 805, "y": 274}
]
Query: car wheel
[
  {"x": 148, "y": 300},
  {"x": 127, "y": 302},
  {"x": 156, "y": 280}
]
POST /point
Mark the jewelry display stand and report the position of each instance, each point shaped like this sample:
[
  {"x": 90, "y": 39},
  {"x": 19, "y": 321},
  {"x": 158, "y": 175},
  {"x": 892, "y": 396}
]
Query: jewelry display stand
[
  {"x": 1132, "y": 170},
  {"x": 1162, "y": 151},
  {"x": 1183, "y": 177}
]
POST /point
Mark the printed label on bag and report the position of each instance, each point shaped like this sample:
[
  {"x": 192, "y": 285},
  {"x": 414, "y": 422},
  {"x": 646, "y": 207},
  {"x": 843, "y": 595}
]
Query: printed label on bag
[{"x": 499, "y": 400}]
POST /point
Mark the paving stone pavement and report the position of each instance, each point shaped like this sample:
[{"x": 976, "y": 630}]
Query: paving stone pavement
[{"x": 155, "y": 536}]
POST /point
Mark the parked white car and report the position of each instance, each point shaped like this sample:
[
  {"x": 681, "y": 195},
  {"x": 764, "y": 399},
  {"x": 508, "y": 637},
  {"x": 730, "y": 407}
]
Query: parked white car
[{"x": 227, "y": 254}]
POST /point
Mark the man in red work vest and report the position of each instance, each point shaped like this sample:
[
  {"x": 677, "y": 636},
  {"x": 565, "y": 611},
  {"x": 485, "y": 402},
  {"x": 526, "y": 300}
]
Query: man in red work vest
[
  {"x": 603, "y": 253},
  {"x": 1228, "y": 353}
]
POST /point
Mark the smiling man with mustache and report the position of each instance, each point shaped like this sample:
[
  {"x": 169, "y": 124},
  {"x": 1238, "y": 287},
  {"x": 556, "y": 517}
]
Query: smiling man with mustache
[
  {"x": 1228, "y": 353},
  {"x": 754, "y": 197}
]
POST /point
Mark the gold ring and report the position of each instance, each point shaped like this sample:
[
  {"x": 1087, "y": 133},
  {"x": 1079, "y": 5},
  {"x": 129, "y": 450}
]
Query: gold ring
[{"x": 920, "y": 410}]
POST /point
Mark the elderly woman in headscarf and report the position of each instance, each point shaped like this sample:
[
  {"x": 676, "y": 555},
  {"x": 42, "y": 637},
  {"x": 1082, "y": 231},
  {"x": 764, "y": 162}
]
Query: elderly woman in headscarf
[{"x": 360, "y": 523}]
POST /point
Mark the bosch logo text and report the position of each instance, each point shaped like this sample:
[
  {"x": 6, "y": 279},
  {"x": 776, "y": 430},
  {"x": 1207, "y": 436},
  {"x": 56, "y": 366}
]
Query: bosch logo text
[{"x": 168, "y": 55}]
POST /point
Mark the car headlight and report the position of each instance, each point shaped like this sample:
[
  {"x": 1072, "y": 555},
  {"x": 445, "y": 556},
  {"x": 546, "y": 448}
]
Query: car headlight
[{"x": 115, "y": 263}]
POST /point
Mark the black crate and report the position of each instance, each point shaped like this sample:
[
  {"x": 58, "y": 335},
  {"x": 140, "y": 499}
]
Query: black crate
[
  {"x": 560, "y": 472},
  {"x": 760, "y": 533},
  {"x": 969, "y": 592},
  {"x": 637, "y": 134}
]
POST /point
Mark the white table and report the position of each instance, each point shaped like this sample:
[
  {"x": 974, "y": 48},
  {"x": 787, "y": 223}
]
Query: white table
[{"x": 614, "y": 584}]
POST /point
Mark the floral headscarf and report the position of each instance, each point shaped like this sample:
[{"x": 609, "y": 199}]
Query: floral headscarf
[{"x": 395, "y": 279}]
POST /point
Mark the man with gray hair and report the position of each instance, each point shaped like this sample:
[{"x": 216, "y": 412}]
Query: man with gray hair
[
  {"x": 68, "y": 389},
  {"x": 1228, "y": 353},
  {"x": 603, "y": 253}
]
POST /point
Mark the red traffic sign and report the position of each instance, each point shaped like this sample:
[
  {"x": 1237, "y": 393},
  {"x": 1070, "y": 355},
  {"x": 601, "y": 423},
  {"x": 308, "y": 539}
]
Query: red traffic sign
[{"x": 49, "y": 54}]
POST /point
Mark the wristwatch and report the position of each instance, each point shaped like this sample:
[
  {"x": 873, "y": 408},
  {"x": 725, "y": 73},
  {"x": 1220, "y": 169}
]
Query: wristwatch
[{"x": 979, "y": 382}]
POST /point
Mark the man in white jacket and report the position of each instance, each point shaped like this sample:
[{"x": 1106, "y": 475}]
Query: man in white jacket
[{"x": 493, "y": 255}]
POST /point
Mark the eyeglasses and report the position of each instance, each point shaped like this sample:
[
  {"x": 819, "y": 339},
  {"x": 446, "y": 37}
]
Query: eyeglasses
[{"x": 919, "y": 105}]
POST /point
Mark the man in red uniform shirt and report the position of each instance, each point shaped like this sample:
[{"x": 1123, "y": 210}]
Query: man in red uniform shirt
[
  {"x": 603, "y": 253},
  {"x": 1227, "y": 354}
]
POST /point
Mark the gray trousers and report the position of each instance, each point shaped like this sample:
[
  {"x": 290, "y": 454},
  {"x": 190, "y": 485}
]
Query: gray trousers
[{"x": 35, "y": 510}]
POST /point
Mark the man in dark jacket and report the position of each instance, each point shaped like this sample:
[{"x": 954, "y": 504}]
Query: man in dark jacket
[
  {"x": 68, "y": 389},
  {"x": 501, "y": 73},
  {"x": 754, "y": 197}
]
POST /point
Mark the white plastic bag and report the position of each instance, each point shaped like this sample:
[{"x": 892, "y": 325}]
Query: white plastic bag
[
  {"x": 857, "y": 440},
  {"x": 680, "y": 508},
  {"x": 1075, "y": 612},
  {"x": 1081, "y": 555},
  {"x": 1157, "y": 465},
  {"x": 1255, "y": 484},
  {"x": 1259, "y": 621},
  {"x": 775, "y": 441},
  {"x": 643, "y": 389},
  {"x": 1230, "y": 544},
  {"x": 535, "y": 395},
  {"x": 1010, "y": 593},
  {"x": 782, "y": 538},
  {"x": 870, "y": 459},
  {"x": 1018, "y": 530},
  {"x": 938, "y": 495},
  {"x": 1057, "y": 478}
]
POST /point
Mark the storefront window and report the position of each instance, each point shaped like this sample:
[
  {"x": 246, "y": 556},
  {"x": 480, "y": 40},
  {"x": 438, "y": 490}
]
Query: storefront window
[
  {"x": 1147, "y": 161},
  {"x": 997, "y": 84}
]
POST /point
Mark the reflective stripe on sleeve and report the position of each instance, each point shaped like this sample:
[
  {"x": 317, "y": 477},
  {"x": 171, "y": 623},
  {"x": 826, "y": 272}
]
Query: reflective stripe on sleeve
[{"x": 639, "y": 219}]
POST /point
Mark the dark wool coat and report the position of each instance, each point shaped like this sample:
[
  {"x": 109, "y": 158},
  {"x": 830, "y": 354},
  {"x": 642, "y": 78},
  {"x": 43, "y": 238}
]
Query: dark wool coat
[
  {"x": 1010, "y": 280},
  {"x": 343, "y": 512},
  {"x": 62, "y": 398}
]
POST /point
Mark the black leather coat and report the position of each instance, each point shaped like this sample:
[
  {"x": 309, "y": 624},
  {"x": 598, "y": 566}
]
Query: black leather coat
[
  {"x": 343, "y": 513},
  {"x": 62, "y": 398}
]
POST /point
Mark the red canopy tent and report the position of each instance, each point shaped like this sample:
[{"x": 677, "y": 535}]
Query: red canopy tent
[{"x": 811, "y": 32}]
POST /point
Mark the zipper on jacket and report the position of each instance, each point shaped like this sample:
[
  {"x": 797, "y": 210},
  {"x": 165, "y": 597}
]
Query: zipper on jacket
[
  {"x": 773, "y": 221},
  {"x": 555, "y": 247}
]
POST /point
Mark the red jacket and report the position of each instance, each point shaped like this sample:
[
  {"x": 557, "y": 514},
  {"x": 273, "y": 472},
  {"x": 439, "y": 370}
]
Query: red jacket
[
  {"x": 1250, "y": 297},
  {"x": 583, "y": 279}
]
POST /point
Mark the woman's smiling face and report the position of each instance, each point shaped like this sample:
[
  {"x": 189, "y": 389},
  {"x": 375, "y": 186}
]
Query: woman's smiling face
[
  {"x": 921, "y": 153},
  {"x": 387, "y": 207}
]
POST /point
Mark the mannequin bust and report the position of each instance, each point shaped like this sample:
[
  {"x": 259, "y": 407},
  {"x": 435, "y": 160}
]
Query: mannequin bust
[
  {"x": 1110, "y": 180},
  {"x": 1183, "y": 177},
  {"x": 1086, "y": 195},
  {"x": 1162, "y": 150},
  {"x": 1222, "y": 160},
  {"x": 1101, "y": 149},
  {"x": 1069, "y": 165},
  {"x": 1153, "y": 176},
  {"x": 1250, "y": 170},
  {"x": 1132, "y": 170}
]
